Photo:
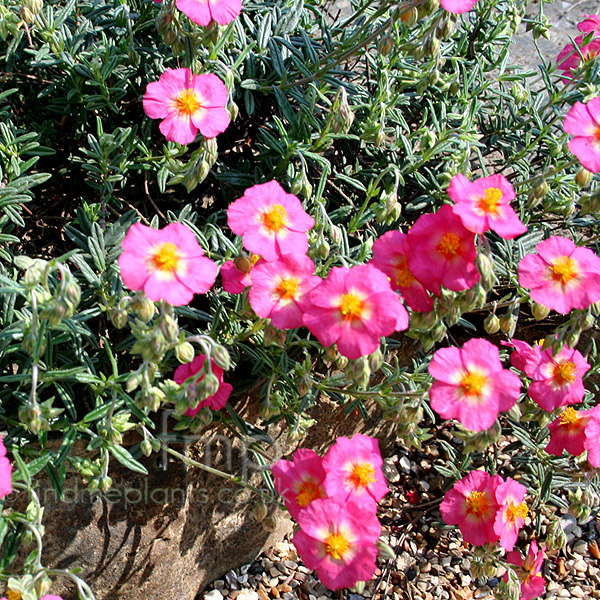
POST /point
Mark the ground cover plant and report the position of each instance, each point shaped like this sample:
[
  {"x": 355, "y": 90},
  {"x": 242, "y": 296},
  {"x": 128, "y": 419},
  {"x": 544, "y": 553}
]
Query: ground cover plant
[{"x": 197, "y": 196}]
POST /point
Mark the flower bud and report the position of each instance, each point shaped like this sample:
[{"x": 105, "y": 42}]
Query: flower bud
[
  {"x": 73, "y": 293},
  {"x": 508, "y": 324},
  {"x": 211, "y": 384},
  {"x": 146, "y": 447},
  {"x": 35, "y": 273},
  {"x": 432, "y": 47},
  {"x": 133, "y": 382},
  {"x": 341, "y": 363},
  {"x": 220, "y": 355},
  {"x": 150, "y": 399},
  {"x": 485, "y": 266},
  {"x": 104, "y": 483},
  {"x": 491, "y": 324},
  {"x": 323, "y": 249},
  {"x": 27, "y": 16},
  {"x": 539, "y": 311},
  {"x": 260, "y": 511},
  {"x": 143, "y": 307},
  {"x": 376, "y": 360},
  {"x": 438, "y": 332},
  {"x": 269, "y": 524},
  {"x": 357, "y": 368},
  {"x": 274, "y": 336},
  {"x": 572, "y": 339},
  {"x": 583, "y": 177},
  {"x": 408, "y": 14},
  {"x": 184, "y": 352},
  {"x": 386, "y": 44},
  {"x": 43, "y": 584},
  {"x": 118, "y": 318}
]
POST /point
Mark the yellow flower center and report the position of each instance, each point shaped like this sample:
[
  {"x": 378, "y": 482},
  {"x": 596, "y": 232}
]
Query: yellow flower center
[
  {"x": 309, "y": 491},
  {"x": 449, "y": 245},
  {"x": 288, "y": 288},
  {"x": 187, "y": 102},
  {"x": 569, "y": 417},
  {"x": 403, "y": 276},
  {"x": 477, "y": 503},
  {"x": 12, "y": 595},
  {"x": 351, "y": 306},
  {"x": 516, "y": 511},
  {"x": 336, "y": 545},
  {"x": 563, "y": 270},
  {"x": 166, "y": 257},
  {"x": 275, "y": 218},
  {"x": 488, "y": 203},
  {"x": 472, "y": 383},
  {"x": 362, "y": 475},
  {"x": 564, "y": 372}
]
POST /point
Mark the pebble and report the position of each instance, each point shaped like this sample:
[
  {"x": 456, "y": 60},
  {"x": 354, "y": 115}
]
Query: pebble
[
  {"x": 213, "y": 595},
  {"x": 285, "y": 588},
  {"x": 262, "y": 595},
  {"x": 275, "y": 592},
  {"x": 465, "y": 580},
  {"x": 219, "y": 584},
  {"x": 405, "y": 464},
  {"x": 577, "y": 592},
  {"x": 446, "y": 560},
  {"x": 465, "y": 564},
  {"x": 581, "y": 566},
  {"x": 581, "y": 548},
  {"x": 247, "y": 595},
  {"x": 391, "y": 471}
]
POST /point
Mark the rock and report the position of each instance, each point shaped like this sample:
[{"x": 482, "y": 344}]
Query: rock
[
  {"x": 577, "y": 592},
  {"x": 405, "y": 464},
  {"x": 247, "y": 595},
  {"x": 391, "y": 471},
  {"x": 580, "y": 566},
  {"x": 213, "y": 595}
]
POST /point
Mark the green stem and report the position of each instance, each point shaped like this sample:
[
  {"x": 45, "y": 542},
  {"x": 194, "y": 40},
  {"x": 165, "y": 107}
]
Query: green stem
[{"x": 228, "y": 476}]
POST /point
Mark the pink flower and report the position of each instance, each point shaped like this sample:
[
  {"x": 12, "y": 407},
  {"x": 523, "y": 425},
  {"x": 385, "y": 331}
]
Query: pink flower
[
  {"x": 484, "y": 204},
  {"x": 590, "y": 23},
  {"x": 202, "y": 12},
  {"x": 471, "y": 385},
  {"x": 458, "y": 6},
  {"x": 353, "y": 308},
  {"x": 512, "y": 512},
  {"x": 271, "y": 222},
  {"x": 216, "y": 401},
  {"x": 583, "y": 121},
  {"x": 442, "y": 252},
  {"x": 471, "y": 504},
  {"x": 167, "y": 264},
  {"x": 300, "y": 481},
  {"x": 532, "y": 583},
  {"x": 567, "y": 432},
  {"x": 338, "y": 540},
  {"x": 569, "y": 60},
  {"x": 557, "y": 378},
  {"x": 523, "y": 352},
  {"x": 5, "y": 472},
  {"x": 561, "y": 276},
  {"x": 280, "y": 288},
  {"x": 390, "y": 255},
  {"x": 187, "y": 103},
  {"x": 235, "y": 280},
  {"x": 592, "y": 440},
  {"x": 353, "y": 468}
]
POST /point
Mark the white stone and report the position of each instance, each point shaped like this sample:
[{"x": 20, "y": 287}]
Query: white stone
[{"x": 213, "y": 595}]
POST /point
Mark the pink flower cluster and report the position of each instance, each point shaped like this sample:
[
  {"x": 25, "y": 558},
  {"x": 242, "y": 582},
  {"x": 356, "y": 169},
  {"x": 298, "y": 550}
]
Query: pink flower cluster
[
  {"x": 334, "y": 500},
  {"x": 352, "y": 307},
  {"x": 557, "y": 382},
  {"x": 486, "y": 508},
  {"x": 528, "y": 570},
  {"x": 556, "y": 378},
  {"x": 471, "y": 385},
  {"x": 215, "y": 402},
  {"x": 439, "y": 250},
  {"x": 569, "y": 58}
]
